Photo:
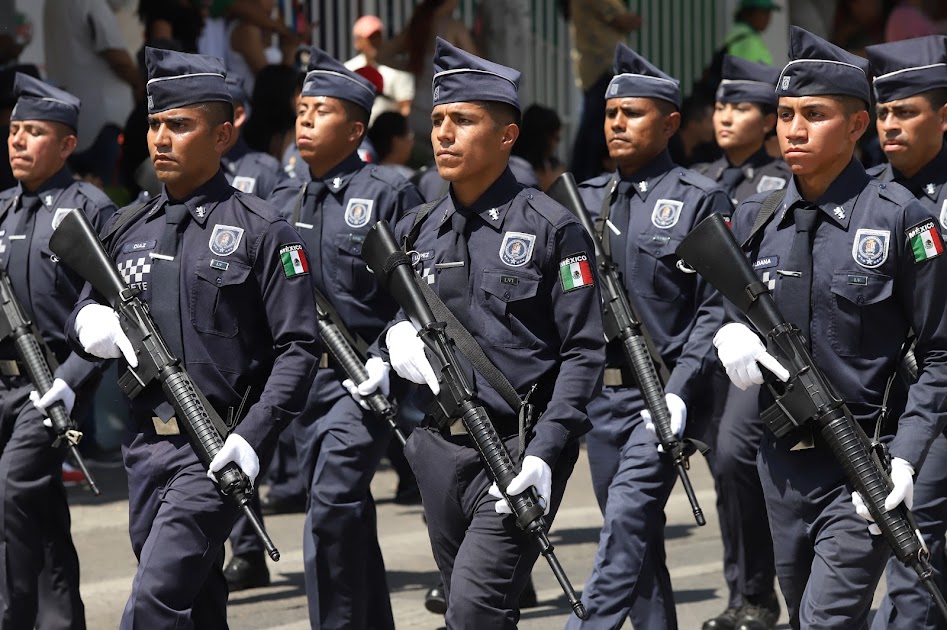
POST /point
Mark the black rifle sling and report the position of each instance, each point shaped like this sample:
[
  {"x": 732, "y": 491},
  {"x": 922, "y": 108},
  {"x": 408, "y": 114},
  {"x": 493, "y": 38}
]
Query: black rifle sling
[
  {"x": 767, "y": 210},
  {"x": 298, "y": 205},
  {"x": 124, "y": 218},
  {"x": 356, "y": 341}
]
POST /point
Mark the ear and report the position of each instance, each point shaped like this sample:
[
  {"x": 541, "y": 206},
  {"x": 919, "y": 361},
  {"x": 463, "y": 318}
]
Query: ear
[
  {"x": 223, "y": 135},
  {"x": 672, "y": 122},
  {"x": 858, "y": 125},
  {"x": 67, "y": 146},
  {"x": 769, "y": 123},
  {"x": 942, "y": 112},
  {"x": 356, "y": 131},
  {"x": 509, "y": 135},
  {"x": 239, "y": 116}
]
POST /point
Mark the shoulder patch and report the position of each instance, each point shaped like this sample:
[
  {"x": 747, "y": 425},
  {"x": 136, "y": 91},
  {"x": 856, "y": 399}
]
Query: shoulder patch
[
  {"x": 517, "y": 248},
  {"x": 293, "y": 259},
  {"x": 244, "y": 184},
  {"x": 575, "y": 272},
  {"x": 224, "y": 239},
  {"x": 769, "y": 182},
  {"x": 924, "y": 241}
]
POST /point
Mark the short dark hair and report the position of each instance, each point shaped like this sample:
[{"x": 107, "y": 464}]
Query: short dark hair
[
  {"x": 851, "y": 105},
  {"x": 501, "y": 113},
  {"x": 694, "y": 108},
  {"x": 936, "y": 97},
  {"x": 354, "y": 113},
  {"x": 387, "y": 127},
  {"x": 217, "y": 112}
]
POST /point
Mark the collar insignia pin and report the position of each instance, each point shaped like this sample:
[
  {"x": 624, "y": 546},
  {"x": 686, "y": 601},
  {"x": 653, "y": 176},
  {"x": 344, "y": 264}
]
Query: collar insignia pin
[
  {"x": 929, "y": 189},
  {"x": 494, "y": 214},
  {"x": 337, "y": 182},
  {"x": 643, "y": 186},
  {"x": 839, "y": 212},
  {"x": 200, "y": 211},
  {"x": 48, "y": 200}
]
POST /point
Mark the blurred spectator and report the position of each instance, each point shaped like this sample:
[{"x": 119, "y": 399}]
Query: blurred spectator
[
  {"x": 249, "y": 48},
  {"x": 694, "y": 140},
  {"x": 86, "y": 55},
  {"x": 745, "y": 39},
  {"x": 177, "y": 20},
  {"x": 272, "y": 127},
  {"x": 539, "y": 138},
  {"x": 397, "y": 91},
  {"x": 858, "y": 23},
  {"x": 393, "y": 139},
  {"x": 412, "y": 49},
  {"x": 595, "y": 26},
  {"x": 910, "y": 19}
]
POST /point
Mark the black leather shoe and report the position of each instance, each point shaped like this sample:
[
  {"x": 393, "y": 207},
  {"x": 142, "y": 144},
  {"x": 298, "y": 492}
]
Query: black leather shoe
[
  {"x": 759, "y": 613},
  {"x": 247, "y": 571},
  {"x": 727, "y": 620},
  {"x": 282, "y": 505},
  {"x": 435, "y": 600},
  {"x": 528, "y": 596}
]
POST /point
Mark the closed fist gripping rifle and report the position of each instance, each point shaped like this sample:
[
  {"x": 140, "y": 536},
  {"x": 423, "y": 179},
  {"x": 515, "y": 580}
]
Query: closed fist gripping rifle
[
  {"x": 15, "y": 324},
  {"x": 807, "y": 398},
  {"x": 392, "y": 268},
  {"x": 77, "y": 245},
  {"x": 622, "y": 323}
]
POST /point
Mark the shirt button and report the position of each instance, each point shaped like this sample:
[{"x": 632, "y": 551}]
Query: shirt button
[
  {"x": 529, "y": 195},
  {"x": 506, "y": 295},
  {"x": 219, "y": 281},
  {"x": 861, "y": 299},
  {"x": 881, "y": 186}
]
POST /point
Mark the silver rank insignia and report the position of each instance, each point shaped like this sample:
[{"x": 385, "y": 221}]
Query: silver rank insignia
[
  {"x": 839, "y": 212},
  {"x": 643, "y": 186},
  {"x": 929, "y": 189},
  {"x": 494, "y": 214}
]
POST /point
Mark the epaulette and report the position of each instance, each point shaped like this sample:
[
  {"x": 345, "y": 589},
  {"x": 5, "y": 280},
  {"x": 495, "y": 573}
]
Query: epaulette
[
  {"x": 94, "y": 194},
  {"x": 266, "y": 160},
  {"x": 547, "y": 208},
  {"x": 388, "y": 175},
  {"x": 257, "y": 206},
  {"x": 877, "y": 170},
  {"x": 599, "y": 181},
  {"x": 697, "y": 180},
  {"x": 893, "y": 192}
]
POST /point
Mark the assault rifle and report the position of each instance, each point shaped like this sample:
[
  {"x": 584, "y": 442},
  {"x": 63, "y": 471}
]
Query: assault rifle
[
  {"x": 392, "y": 268},
  {"x": 15, "y": 325},
  {"x": 77, "y": 245},
  {"x": 622, "y": 323},
  {"x": 808, "y": 397}
]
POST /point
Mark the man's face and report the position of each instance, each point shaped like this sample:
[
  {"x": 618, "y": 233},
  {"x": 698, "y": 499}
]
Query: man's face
[
  {"x": 38, "y": 149},
  {"x": 911, "y": 131},
  {"x": 368, "y": 46},
  {"x": 323, "y": 131},
  {"x": 636, "y": 130},
  {"x": 185, "y": 147},
  {"x": 738, "y": 125},
  {"x": 815, "y": 132},
  {"x": 466, "y": 141}
]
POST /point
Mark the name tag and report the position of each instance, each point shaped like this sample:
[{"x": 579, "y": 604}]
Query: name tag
[
  {"x": 140, "y": 246},
  {"x": 859, "y": 280},
  {"x": 513, "y": 280}
]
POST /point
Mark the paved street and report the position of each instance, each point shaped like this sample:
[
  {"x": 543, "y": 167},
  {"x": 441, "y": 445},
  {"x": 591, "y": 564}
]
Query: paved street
[{"x": 694, "y": 556}]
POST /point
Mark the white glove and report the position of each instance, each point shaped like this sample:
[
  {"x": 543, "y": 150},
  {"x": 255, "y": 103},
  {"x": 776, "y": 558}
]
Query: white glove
[
  {"x": 536, "y": 473},
  {"x": 740, "y": 350},
  {"x": 102, "y": 336},
  {"x": 236, "y": 450},
  {"x": 60, "y": 390},
  {"x": 377, "y": 381},
  {"x": 902, "y": 478},
  {"x": 678, "y": 418},
  {"x": 407, "y": 356}
]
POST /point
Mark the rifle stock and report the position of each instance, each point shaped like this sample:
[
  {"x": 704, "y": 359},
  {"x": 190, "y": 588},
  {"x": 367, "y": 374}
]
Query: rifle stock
[
  {"x": 623, "y": 324},
  {"x": 78, "y": 246},
  {"x": 392, "y": 268},
  {"x": 808, "y": 396},
  {"x": 15, "y": 324}
]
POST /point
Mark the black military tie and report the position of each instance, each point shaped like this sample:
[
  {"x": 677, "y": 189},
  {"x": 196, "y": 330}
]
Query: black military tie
[
  {"x": 453, "y": 278},
  {"x": 730, "y": 179},
  {"x": 18, "y": 263},
  {"x": 166, "y": 280},
  {"x": 312, "y": 213},
  {"x": 796, "y": 293}
]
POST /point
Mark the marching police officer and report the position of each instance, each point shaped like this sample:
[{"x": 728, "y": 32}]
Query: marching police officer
[
  {"x": 648, "y": 206},
  {"x": 493, "y": 251},
  {"x": 744, "y": 117},
  {"x": 218, "y": 269},
  {"x": 856, "y": 264},
  {"x": 911, "y": 94},
  {"x": 34, "y": 514},
  {"x": 340, "y": 444}
]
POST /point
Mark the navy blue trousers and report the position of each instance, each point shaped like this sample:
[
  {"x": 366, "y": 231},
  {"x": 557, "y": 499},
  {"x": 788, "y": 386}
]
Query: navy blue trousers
[
  {"x": 340, "y": 446},
  {"x": 827, "y": 563},
  {"x": 178, "y": 522},
  {"x": 632, "y": 483},
  {"x": 484, "y": 559},
  {"x": 908, "y": 605},
  {"x": 39, "y": 566}
]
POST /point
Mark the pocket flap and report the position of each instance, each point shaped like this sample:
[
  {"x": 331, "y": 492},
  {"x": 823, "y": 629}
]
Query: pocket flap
[
  {"x": 351, "y": 243},
  {"x": 658, "y": 245},
  {"x": 509, "y": 286},
  {"x": 860, "y": 288}
]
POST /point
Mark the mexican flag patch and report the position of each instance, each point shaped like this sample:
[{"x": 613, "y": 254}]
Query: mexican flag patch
[
  {"x": 575, "y": 271},
  {"x": 925, "y": 241},
  {"x": 293, "y": 259}
]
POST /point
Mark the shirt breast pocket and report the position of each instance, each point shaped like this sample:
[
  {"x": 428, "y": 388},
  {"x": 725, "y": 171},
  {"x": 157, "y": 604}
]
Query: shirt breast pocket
[
  {"x": 217, "y": 295},
  {"x": 656, "y": 273},
  {"x": 60, "y": 281},
  {"x": 354, "y": 276},
  {"x": 508, "y": 299},
  {"x": 860, "y": 301}
]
